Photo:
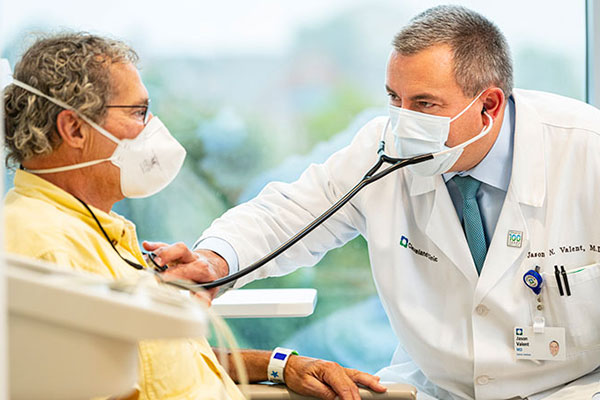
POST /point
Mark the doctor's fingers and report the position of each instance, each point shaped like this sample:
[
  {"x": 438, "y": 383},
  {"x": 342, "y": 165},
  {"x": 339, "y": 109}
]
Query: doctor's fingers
[
  {"x": 198, "y": 271},
  {"x": 175, "y": 253},
  {"x": 367, "y": 380},
  {"x": 151, "y": 246}
]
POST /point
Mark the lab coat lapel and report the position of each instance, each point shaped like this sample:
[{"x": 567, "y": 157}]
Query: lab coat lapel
[
  {"x": 527, "y": 188},
  {"x": 501, "y": 257},
  {"x": 435, "y": 215}
]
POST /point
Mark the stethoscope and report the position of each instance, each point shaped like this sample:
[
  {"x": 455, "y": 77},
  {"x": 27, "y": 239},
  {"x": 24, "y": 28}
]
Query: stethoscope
[{"x": 371, "y": 176}]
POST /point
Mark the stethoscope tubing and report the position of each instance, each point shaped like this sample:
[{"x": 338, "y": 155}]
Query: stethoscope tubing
[{"x": 371, "y": 176}]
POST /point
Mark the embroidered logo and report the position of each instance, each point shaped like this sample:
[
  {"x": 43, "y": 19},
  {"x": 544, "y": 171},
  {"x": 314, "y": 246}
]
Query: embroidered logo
[{"x": 404, "y": 242}]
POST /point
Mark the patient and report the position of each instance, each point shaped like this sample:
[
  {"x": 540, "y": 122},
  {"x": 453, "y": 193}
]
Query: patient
[{"x": 77, "y": 123}]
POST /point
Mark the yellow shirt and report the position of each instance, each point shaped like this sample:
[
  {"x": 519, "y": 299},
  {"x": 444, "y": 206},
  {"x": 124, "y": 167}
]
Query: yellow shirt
[{"x": 44, "y": 222}]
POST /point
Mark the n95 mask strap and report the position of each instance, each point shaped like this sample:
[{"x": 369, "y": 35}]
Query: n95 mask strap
[{"x": 147, "y": 163}]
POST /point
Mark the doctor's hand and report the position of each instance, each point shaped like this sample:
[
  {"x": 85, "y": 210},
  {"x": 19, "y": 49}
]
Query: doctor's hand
[
  {"x": 326, "y": 379},
  {"x": 200, "y": 266}
]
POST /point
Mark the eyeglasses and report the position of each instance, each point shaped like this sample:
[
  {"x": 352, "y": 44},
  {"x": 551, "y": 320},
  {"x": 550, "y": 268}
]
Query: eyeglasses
[{"x": 143, "y": 109}]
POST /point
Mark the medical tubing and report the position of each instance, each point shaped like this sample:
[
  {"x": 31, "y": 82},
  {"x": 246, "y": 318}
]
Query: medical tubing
[
  {"x": 369, "y": 178},
  {"x": 224, "y": 337},
  {"x": 131, "y": 263},
  {"x": 222, "y": 331}
]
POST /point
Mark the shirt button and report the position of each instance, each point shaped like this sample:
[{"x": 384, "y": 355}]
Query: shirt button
[
  {"x": 482, "y": 310},
  {"x": 482, "y": 380}
]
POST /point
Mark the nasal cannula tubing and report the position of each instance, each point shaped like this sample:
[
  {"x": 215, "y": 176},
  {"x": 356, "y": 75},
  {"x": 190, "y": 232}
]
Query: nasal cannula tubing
[{"x": 370, "y": 177}]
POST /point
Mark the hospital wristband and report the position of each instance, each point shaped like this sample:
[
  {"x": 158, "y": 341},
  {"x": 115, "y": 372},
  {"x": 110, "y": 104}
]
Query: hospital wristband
[{"x": 279, "y": 358}]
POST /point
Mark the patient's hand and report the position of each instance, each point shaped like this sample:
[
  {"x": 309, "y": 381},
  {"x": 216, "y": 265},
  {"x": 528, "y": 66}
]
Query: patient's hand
[
  {"x": 199, "y": 266},
  {"x": 326, "y": 379}
]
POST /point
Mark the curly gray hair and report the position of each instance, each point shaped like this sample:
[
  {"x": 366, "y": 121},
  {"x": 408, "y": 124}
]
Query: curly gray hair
[
  {"x": 72, "y": 67},
  {"x": 481, "y": 53}
]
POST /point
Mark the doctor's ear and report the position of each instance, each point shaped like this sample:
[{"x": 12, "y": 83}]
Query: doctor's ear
[
  {"x": 493, "y": 101},
  {"x": 69, "y": 128}
]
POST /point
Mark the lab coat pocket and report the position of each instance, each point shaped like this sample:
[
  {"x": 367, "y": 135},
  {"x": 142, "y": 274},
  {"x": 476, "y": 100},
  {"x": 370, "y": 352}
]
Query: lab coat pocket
[{"x": 578, "y": 313}]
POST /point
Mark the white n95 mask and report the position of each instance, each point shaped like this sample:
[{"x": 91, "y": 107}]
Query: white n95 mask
[
  {"x": 147, "y": 163},
  {"x": 418, "y": 133}
]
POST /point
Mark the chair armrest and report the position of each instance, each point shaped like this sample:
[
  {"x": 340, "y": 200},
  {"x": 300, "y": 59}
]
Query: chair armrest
[{"x": 269, "y": 391}]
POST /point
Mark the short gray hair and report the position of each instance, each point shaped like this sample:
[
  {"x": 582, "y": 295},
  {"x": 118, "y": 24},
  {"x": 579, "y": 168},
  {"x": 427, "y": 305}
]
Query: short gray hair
[
  {"x": 72, "y": 67},
  {"x": 480, "y": 51}
]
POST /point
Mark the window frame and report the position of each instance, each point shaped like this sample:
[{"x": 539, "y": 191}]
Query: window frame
[
  {"x": 592, "y": 8},
  {"x": 3, "y": 300}
]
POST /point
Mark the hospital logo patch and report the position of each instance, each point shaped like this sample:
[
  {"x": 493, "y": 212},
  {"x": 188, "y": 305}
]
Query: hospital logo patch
[{"x": 404, "y": 242}]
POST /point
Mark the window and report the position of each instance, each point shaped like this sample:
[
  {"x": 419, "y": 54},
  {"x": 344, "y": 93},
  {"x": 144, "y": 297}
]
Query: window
[
  {"x": 257, "y": 90},
  {"x": 593, "y": 51}
]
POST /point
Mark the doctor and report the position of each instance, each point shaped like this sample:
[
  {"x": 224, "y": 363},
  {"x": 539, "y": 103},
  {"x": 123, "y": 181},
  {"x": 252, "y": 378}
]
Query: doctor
[{"x": 451, "y": 240}]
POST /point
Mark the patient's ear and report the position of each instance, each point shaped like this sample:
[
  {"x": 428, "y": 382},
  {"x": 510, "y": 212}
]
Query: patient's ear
[{"x": 69, "y": 127}]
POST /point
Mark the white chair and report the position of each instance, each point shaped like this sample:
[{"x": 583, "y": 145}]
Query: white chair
[{"x": 396, "y": 391}]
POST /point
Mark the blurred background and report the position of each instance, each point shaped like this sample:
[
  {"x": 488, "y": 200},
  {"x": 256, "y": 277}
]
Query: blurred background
[{"x": 257, "y": 90}]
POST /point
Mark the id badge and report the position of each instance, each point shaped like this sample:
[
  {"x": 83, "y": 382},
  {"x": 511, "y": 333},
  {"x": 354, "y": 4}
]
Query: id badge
[{"x": 547, "y": 345}]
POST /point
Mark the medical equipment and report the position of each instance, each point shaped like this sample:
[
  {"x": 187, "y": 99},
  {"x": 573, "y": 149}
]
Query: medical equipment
[
  {"x": 74, "y": 335},
  {"x": 265, "y": 303},
  {"x": 133, "y": 264},
  {"x": 371, "y": 176}
]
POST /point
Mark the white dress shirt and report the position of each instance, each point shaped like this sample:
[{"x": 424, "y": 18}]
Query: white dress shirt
[{"x": 494, "y": 174}]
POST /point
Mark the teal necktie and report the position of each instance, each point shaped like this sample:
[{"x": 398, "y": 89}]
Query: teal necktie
[{"x": 472, "y": 224}]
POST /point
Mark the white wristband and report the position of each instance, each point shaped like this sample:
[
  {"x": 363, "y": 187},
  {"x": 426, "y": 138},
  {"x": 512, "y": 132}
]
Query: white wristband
[{"x": 279, "y": 358}]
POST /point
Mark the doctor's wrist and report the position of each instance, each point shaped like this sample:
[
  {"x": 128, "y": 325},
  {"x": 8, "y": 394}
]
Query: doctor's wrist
[
  {"x": 219, "y": 266},
  {"x": 220, "y": 269}
]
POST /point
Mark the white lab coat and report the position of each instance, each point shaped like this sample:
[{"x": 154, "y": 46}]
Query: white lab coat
[{"x": 456, "y": 326}]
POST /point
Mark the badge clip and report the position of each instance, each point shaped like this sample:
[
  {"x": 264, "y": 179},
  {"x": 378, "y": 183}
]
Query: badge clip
[
  {"x": 539, "y": 323},
  {"x": 533, "y": 280}
]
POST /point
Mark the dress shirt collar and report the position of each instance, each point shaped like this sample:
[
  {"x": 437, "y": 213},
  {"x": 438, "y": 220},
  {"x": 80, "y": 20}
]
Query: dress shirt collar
[{"x": 495, "y": 168}]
